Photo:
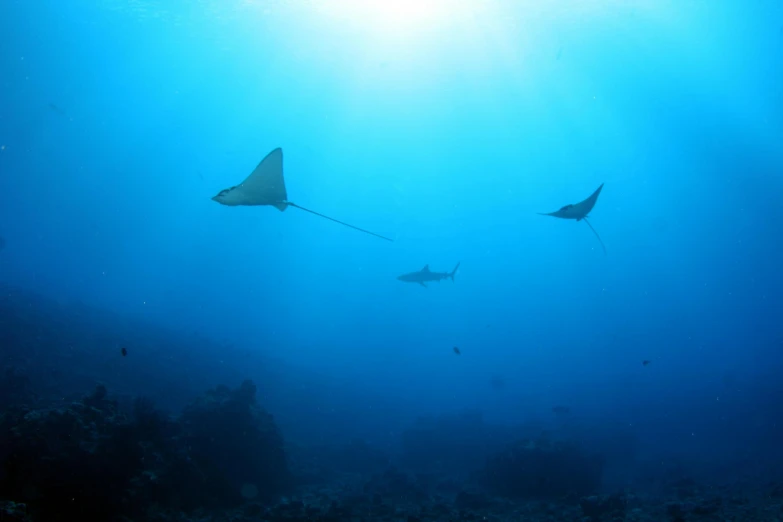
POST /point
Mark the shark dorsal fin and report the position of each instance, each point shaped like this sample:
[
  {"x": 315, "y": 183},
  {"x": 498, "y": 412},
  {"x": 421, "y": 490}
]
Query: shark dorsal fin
[{"x": 426, "y": 268}]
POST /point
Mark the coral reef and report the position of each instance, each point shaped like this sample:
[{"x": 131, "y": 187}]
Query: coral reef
[
  {"x": 15, "y": 389},
  {"x": 70, "y": 462},
  {"x": 321, "y": 463},
  {"x": 231, "y": 439},
  {"x": 604, "y": 507},
  {"x": 223, "y": 459},
  {"x": 13, "y": 512},
  {"x": 396, "y": 485},
  {"x": 116, "y": 457},
  {"x": 88, "y": 461}
]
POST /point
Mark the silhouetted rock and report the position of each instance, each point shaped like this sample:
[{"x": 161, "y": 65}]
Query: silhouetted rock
[
  {"x": 73, "y": 462},
  {"x": 472, "y": 501},
  {"x": 86, "y": 461},
  {"x": 15, "y": 389},
  {"x": 543, "y": 469},
  {"x": 699, "y": 507},
  {"x": 320, "y": 463},
  {"x": 675, "y": 512},
  {"x": 598, "y": 507},
  {"x": 449, "y": 443},
  {"x": 395, "y": 486},
  {"x": 232, "y": 442},
  {"x": 13, "y": 512},
  {"x": 707, "y": 506}
]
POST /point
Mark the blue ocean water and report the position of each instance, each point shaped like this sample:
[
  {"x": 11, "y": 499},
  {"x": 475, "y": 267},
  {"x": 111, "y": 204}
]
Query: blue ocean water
[{"x": 447, "y": 126}]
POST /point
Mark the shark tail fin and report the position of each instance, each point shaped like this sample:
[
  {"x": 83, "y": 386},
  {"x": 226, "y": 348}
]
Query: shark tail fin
[{"x": 451, "y": 275}]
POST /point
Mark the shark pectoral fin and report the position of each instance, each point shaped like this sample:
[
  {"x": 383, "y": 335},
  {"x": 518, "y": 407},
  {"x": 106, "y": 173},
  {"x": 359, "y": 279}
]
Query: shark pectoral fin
[
  {"x": 453, "y": 272},
  {"x": 422, "y": 284}
]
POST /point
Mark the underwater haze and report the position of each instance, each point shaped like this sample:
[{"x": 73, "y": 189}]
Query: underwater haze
[{"x": 626, "y": 359}]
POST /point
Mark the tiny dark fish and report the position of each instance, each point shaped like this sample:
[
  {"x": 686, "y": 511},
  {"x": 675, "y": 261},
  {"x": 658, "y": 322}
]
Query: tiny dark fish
[
  {"x": 646, "y": 362},
  {"x": 561, "y": 410},
  {"x": 124, "y": 351},
  {"x": 56, "y": 109},
  {"x": 456, "y": 350}
]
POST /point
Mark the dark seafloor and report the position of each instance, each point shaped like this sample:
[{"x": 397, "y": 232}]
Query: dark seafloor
[{"x": 76, "y": 449}]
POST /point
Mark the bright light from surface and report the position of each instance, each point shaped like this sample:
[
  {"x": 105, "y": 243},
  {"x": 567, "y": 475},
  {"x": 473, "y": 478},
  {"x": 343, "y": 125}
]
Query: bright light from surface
[
  {"x": 398, "y": 24},
  {"x": 385, "y": 16}
]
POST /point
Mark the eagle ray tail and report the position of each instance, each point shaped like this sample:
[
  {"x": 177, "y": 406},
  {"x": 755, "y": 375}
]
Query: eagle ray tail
[{"x": 596, "y": 235}]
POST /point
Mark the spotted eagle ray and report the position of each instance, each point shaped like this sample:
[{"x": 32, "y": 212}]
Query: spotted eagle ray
[
  {"x": 425, "y": 275},
  {"x": 579, "y": 212},
  {"x": 266, "y": 186}
]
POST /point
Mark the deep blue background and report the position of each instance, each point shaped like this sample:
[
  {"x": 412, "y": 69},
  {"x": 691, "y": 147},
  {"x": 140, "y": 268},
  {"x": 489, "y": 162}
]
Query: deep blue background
[{"x": 447, "y": 128}]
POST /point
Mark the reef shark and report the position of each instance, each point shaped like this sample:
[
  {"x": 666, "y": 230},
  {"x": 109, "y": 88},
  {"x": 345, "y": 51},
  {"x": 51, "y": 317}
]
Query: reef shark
[
  {"x": 425, "y": 275},
  {"x": 579, "y": 211},
  {"x": 266, "y": 186}
]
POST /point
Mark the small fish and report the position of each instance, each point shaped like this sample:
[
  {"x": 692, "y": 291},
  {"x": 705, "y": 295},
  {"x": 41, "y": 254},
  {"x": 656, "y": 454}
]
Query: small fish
[
  {"x": 646, "y": 362},
  {"x": 456, "y": 350},
  {"x": 124, "y": 351},
  {"x": 56, "y": 109}
]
